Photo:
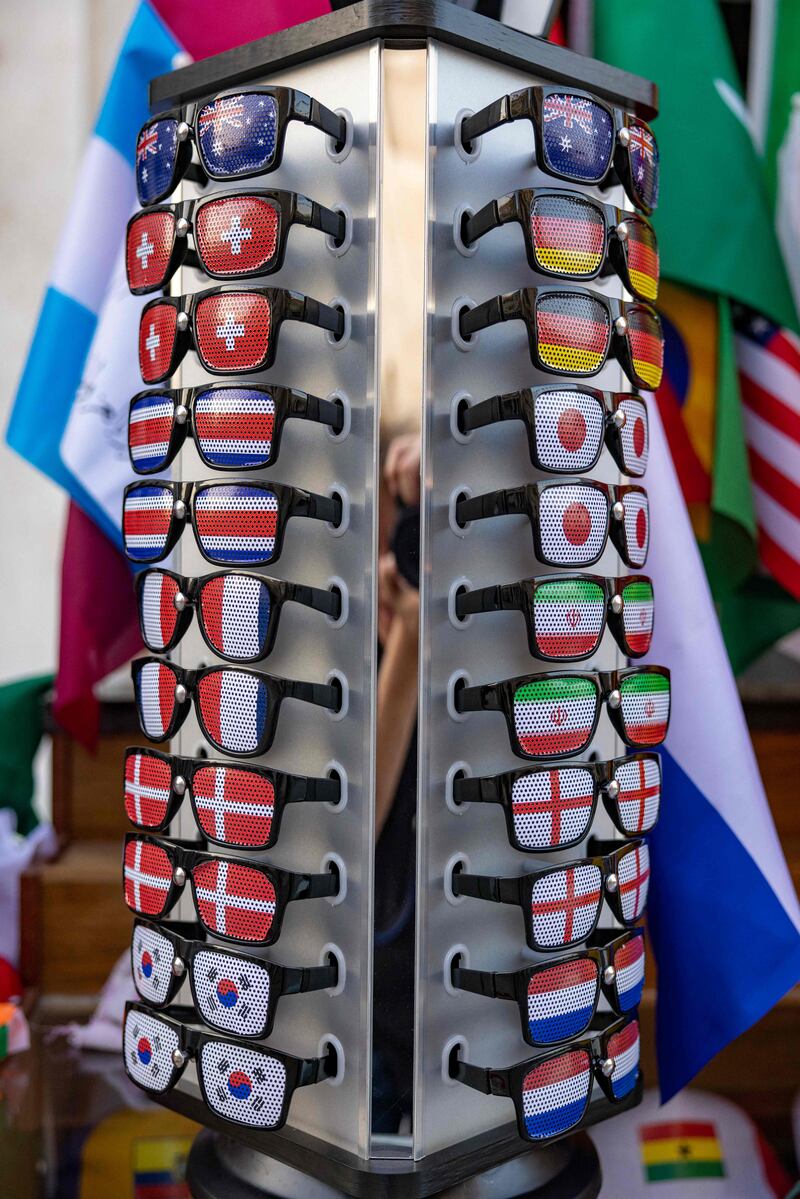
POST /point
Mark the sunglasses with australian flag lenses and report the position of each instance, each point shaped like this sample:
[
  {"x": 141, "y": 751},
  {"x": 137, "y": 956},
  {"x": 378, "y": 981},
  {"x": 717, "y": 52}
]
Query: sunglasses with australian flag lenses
[
  {"x": 230, "y": 328},
  {"x": 239, "y": 807},
  {"x": 238, "y": 134},
  {"x": 231, "y": 991},
  {"x": 566, "y": 615},
  {"x": 580, "y": 139}
]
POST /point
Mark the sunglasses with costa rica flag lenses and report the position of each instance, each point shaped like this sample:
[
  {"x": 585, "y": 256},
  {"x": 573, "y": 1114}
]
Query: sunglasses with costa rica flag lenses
[
  {"x": 579, "y": 138},
  {"x": 238, "y": 134},
  {"x": 239, "y": 807}
]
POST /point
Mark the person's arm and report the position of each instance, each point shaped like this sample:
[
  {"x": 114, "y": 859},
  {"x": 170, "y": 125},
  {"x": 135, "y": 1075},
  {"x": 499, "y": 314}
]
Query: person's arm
[{"x": 397, "y": 688}]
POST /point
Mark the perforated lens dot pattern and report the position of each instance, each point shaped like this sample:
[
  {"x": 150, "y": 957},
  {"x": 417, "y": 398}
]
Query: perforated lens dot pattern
[
  {"x": 644, "y": 164},
  {"x": 238, "y": 235},
  {"x": 577, "y": 137},
  {"x": 573, "y": 524},
  {"x": 233, "y": 331},
  {"x": 633, "y": 870},
  {"x": 234, "y": 806},
  {"x": 646, "y": 343},
  {"x": 568, "y": 235},
  {"x": 152, "y": 955},
  {"x": 637, "y": 615},
  {"x": 554, "y": 715},
  {"x": 645, "y": 708},
  {"x": 247, "y": 1086},
  {"x": 146, "y": 522},
  {"x": 155, "y": 698},
  {"x": 569, "y": 429},
  {"x": 149, "y": 1045},
  {"x": 569, "y": 616},
  {"x": 158, "y": 615},
  {"x": 234, "y": 900},
  {"x": 561, "y": 1001},
  {"x": 156, "y": 152},
  {"x": 232, "y": 993},
  {"x": 235, "y": 611},
  {"x": 149, "y": 432},
  {"x": 564, "y": 905},
  {"x": 634, "y": 436},
  {"x": 555, "y": 1094},
  {"x": 148, "y": 249},
  {"x": 236, "y": 524},
  {"x": 623, "y": 1047},
  {"x": 157, "y": 333},
  {"x": 233, "y": 710},
  {"x": 636, "y": 527},
  {"x": 639, "y": 799},
  {"x": 237, "y": 134},
  {"x": 641, "y": 255},
  {"x": 148, "y": 783},
  {"x": 148, "y": 877},
  {"x": 551, "y": 807},
  {"x": 629, "y": 962},
  {"x": 572, "y": 333},
  {"x": 234, "y": 427}
]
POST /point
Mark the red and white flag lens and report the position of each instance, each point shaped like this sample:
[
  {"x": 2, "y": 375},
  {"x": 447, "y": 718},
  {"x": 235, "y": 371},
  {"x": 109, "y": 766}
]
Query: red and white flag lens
[
  {"x": 636, "y": 527},
  {"x": 634, "y": 436},
  {"x": 637, "y": 616},
  {"x": 155, "y": 698},
  {"x": 246, "y": 1086},
  {"x": 146, "y": 521},
  {"x": 149, "y": 1046},
  {"x": 564, "y": 906},
  {"x": 629, "y": 962},
  {"x": 645, "y": 708},
  {"x": 237, "y": 236},
  {"x": 158, "y": 615},
  {"x": 149, "y": 432},
  {"x": 148, "y": 784},
  {"x": 569, "y": 616},
  {"x": 569, "y": 430},
  {"x": 236, "y": 524},
  {"x": 639, "y": 799},
  {"x": 561, "y": 1001},
  {"x": 231, "y": 993},
  {"x": 233, "y": 710},
  {"x": 554, "y": 715},
  {"x": 623, "y": 1049},
  {"x": 158, "y": 329},
  {"x": 235, "y": 610},
  {"x": 151, "y": 963},
  {"x": 551, "y": 807},
  {"x": 555, "y": 1094},
  {"x": 233, "y": 331},
  {"x": 573, "y": 524},
  {"x": 148, "y": 877},
  {"x": 234, "y": 427},
  {"x": 234, "y": 900},
  {"x": 148, "y": 250},
  {"x": 633, "y": 872},
  {"x": 234, "y": 806}
]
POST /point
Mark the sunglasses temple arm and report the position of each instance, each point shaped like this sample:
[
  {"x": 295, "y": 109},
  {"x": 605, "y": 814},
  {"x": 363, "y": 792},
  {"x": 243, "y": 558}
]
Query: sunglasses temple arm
[
  {"x": 505, "y": 597},
  {"x": 491, "y": 411},
  {"x": 472, "y": 790},
  {"x": 491, "y": 216},
  {"x": 314, "y": 597},
  {"x": 488, "y": 886},
  {"x": 507, "y": 108},
  {"x": 310, "y": 790},
  {"x": 484, "y": 698},
  {"x": 511, "y": 501},
  {"x": 311, "y": 112},
  {"x": 313, "y": 886},
  {"x": 483, "y": 982},
  {"x": 316, "y": 507},
  {"x": 507, "y": 307},
  {"x": 311, "y": 407},
  {"x": 317, "y": 216},
  {"x": 312, "y": 978},
  {"x": 317, "y": 1069},
  {"x": 321, "y": 694},
  {"x": 488, "y": 1082},
  {"x": 312, "y": 312}
]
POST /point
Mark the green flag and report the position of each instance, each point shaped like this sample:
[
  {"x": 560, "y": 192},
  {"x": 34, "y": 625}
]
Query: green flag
[{"x": 21, "y": 721}]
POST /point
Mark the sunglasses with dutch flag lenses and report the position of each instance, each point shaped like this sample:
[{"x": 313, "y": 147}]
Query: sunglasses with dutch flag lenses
[
  {"x": 236, "y": 235},
  {"x": 238, "y": 807},
  {"x": 554, "y": 807},
  {"x": 236, "y": 899},
  {"x": 571, "y": 522},
  {"x": 238, "y": 134},
  {"x": 571, "y": 236},
  {"x": 231, "y": 992},
  {"x": 574, "y": 331},
  {"x": 237, "y": 710},
  {"x": 579, "y": 139},
  {"x": 230, "y": 328},
  {"x": 240, "y": 1082},
  {"x": 567, "y": 426},
  {"x": 235, "y": 524}
]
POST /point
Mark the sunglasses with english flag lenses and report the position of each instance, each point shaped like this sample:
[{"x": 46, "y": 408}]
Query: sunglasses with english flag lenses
[
  {"x": 230, "y": 328},
  {"x": 239, "y": 807},
  {"x": 235, "y": 524}
]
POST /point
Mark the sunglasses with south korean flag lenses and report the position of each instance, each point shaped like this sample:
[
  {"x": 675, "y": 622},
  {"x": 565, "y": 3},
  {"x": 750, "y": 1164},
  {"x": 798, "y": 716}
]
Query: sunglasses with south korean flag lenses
[
  {"x": 238, "y": 134},
  {"x": 239, "y": 1081},
  {"x": 571, "y": 521},
  {"x": 236, "y": 234},
  {"x": 238, "y": 807},
  {"x": 230, "y": 328},
  {"x": 579, "y": 139}
]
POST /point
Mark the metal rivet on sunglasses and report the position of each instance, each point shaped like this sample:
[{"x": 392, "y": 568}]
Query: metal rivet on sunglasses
[
  {"x": 616, "y": 604},
  {"x": 183, "y": 131},
  {"x": 620, "y": 324},
  {"x": 623, "y": 231},
  {"x": 617, "y": 510},
  {"x": 179, "y": 784},
  {"x": 178, "y": 1057},
  {"x": 614, "y": 699},
  {"x": 609, "y": 974},
  {"x": 620, "y": 418},
  {"x": 179, "y": 601},
  {"x": 181, "y": 694},
  {"x": 182, "y": 414},
  {"x": 624, "y": 137},
  {"x": 183, "y": 321},
  {"x": 182, "y": 228},
  {"x": 179, "y": 509},
  {"x": 179, "y": 967},
  {"x": 179, "y": 876},
  {"x": 612, "y": 789},
  {"x": 608, "y": 1067},
  {"x": 612, "y": 882}
]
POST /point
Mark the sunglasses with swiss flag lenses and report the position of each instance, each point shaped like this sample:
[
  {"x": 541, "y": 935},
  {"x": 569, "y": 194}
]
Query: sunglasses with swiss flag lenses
[
  {"x": 239, "y": 807},
  {"x": 566, "y": 615},
  {"x": 231, "y": 329},
  {"x": 238, "y": 134},
  {"x": 571, "y": 522},
  {"x": 580, "y": 139},
  {"x": 237, "y": 710}
]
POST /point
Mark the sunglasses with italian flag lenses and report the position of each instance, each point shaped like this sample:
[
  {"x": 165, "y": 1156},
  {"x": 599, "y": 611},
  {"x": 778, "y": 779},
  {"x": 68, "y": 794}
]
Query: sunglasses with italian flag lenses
[
  {"x": 237, "y": 710},
  {"x": 579, "y": 139},
  {"x": 236, "y": 899},
  {"x": 233, "y": 427},
  {"x": 240, "y": 1082},
  {"x": 230, "y": 328},
  {"x": 235, "y": 524},
  {"x": 238, "y": 807},
  {"x": 572, "y": 522},
  {"x": 238, "y": 134},
  {"x": 232, "y": 992}
]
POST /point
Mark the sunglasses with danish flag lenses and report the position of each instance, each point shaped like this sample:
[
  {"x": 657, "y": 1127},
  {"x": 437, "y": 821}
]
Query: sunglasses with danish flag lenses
[
  {"x": 572, "y": 522},
  {"x": 568, "y": 425},
  {"x": 239, "y": 1081},
  {"x": 231, "y": 991},
  {"x": 230, "y": 328},
  {"x": 571, "y": 236},
  {"x": 233, "y": 427},
  {"x": 239, "y": 807},
  {"x": 236, "y": 899},
  {"x": 566, "y": 615},
  {"x": 238, "y": 134},
  {"x": 237, "y": 710},
  {"x": 235, "y": 524},
  {"x": 580, "y": 139}
]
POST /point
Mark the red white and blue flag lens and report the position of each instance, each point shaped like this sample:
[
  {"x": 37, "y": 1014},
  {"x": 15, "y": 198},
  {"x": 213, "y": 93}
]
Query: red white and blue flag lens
[
  {"x": 148, "y": 783},
  {"x": 233, "y": 805},
  {"x": 233, "y": 709},
  {"x": 146, "y": 521},
  {"x": 639, "y": 799},
  {"x": 237, "y": 134},
  {"x": 552, "y": 807},
  {"x": 569, "y": 430},
  {"x": 156, "y": 152},
  {"x": 554, "y": 715},
  {"x": 149, "y": 1046},
  {"x": 633, "y": 872},
  {"x": 158, "y": 327},
  {"x": 561, "y": 1001},
  {"x": 234, "y": 427},
  {"x": 158, "y": 615},
  {"x": 149, "y": 242},
  {"x": 623, "y": 1047},
  {"x": 155, "y": 698},
  {"x": 569, "y": 615},
  {"x": 564, "y": 905},
  {"x": 233, "y": 331},
  {"x": 150, "y": 424},
  {"x": 577, "y": 137},
  {"x": 151, "y": 963},
  {"x": 629, "y": 965},
  {"x": 231, "y": 993},
  {"x": 573, "y": 524},
  {"x": 246, "y": 1086},
  {"x": 645, "y": 708},
  {"x": 237, "y": 236},
  {"x": 148, "y": 877},
  {"x": 644, "y": 162},
  {"x": 638, "y": 610},
  {"x": 634, "y": 436},
  {"x": 555, "y": 1094},
  {"x": 236, "y": 523},
  {"x": 636, "y": 527},
  {"x": 235, "y": 611},
  {"x": 234, "y": 900}
]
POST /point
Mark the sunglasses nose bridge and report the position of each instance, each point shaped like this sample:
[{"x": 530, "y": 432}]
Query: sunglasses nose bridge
[{"x": 178, "y": 966}]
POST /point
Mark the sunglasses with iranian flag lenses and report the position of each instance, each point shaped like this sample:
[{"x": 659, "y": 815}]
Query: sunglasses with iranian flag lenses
[
  {"x": 238, "y": 134},
  {"x": 580, "y": 139},
  {"x": 239, "y": 807},
  {"x": 230, "y": 328}
]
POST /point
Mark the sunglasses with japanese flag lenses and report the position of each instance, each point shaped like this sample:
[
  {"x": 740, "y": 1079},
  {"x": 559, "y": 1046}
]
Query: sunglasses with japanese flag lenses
[
  {"x": 236, "y": 899},
  {"x": 235, "y": 524},
  {"x": 574, "y": 331},
  {"x": 231, "y": 991},
  {"x": 568, "y": 425},
  {"x": 558, "y": 1001},
  {"x": 239, "y": 807},
  {"x": 566, "y": 615},
  {"x": 238, "y": 134},
  {"x": 571, "y": 522},
  {"x": 572, "y": 236},
  {"x": 554, "y": 807},
  {"x": 240, "y": 1082},
  {"x": 230, "y": 328},
  {"x": 579, "y": 138}
]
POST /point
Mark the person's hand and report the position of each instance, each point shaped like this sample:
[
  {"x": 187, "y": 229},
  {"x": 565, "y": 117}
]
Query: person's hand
[
  {"x": 397, "y": 600},
  {"x": 401, "y": 469}
]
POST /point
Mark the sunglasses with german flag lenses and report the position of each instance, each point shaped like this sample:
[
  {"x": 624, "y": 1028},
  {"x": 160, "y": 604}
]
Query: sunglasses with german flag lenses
[
  {"x": 554, "y": 807},
  {"x": 572, "y": 522},
  {"x": 238, "y": 134},
  {"x": 236, "y": 899},
  {"x": 230, "y": 328},
  {"x": 572, "y": 236},
  {"x": 237, "y": 710},
  {"x": 579, "y": 138},
  {"x": 566, "y": 615},
  {"x": 238, "y": 807},
  {"x": 574, "y": 331}
]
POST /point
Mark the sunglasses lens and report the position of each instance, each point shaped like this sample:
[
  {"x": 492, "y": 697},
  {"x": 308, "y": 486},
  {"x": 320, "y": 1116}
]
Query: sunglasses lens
[
  {"x": 555, "y": 1094},
  {"x": 634, "y": 437},
  {"x": 233, "y": 900},
  {"x": 646, "y": 342},
  {"x": 564, "y": 905},
  {"x": 235, "y": 612},
  {"x": 643, "y": 157},
  {"x": 232, "y": 993},
  {"x": 233, "y": 426},
  {"x": 636, "y": 527},
  {"x": 148, "y": 877},
  {"x": 155, "y": 698},
  {"x": 572, "y": 333},
  {"x": 551, "y": 807},
  {"x": 645, "y": 708},
  {"x": 637, "y": 616},
  {"x": 149, "y": 432},
  {"x": 158, "y": 329},
  {"x": 568, "y": 235},
  {"x": 233, "y": 331},
  {"x": 641, "y": 256},
  {"x": 149, "y": 1046},
  {"x": 246, "y": 1086},
  {"x": 151, "y": 961},
  {"x": 234, "y": 806},
  {"x": 554, "y": 715},
  {"x": 233, "y": 710},
  {"x": 573, "y": 524},
  {"x": 237, "y": 236},
  {"x": 569, "y": 430},
  {"x": 148, "y": 250},
  {"x": 148, "y": 782},
  {"x": 623, "y": 1047},
  {"x": 629, "y": 966},
  {"x": 158, "y": 615},
  {"x": 235, "y": 524},
  {"x": 146, "y": 521},
  {"x": 639, "y": 799},
  {"x": 561, "y": 1001},
  {"x": 156, "y": 152},
  {"x": 568, "y": 617},
  {"x": 633, "y": 870},
  {"x": 237, "y": 134},
  {"x": 576, "y": 136}
]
